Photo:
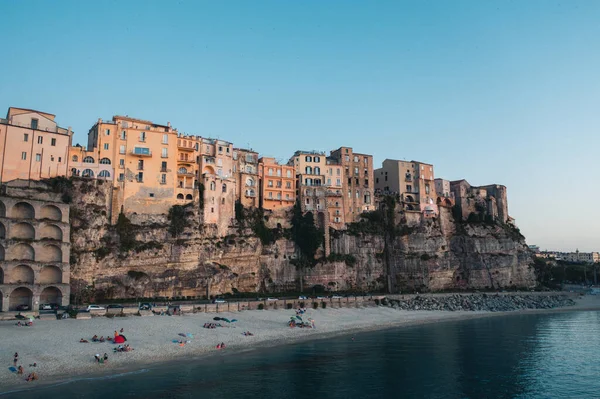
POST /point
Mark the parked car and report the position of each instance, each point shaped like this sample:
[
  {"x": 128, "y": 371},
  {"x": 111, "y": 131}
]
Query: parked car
[
  {"x": 115, "y": 306},
  {"x": 23, "y": 307},
  {"x": 336, "y": 297},
  {"x": 145, "y": 306},
  {"x": 219, "y": 300},
  {"x": 302, "y": 297},
  {"x": 49, "y": 306},
  {"x": 272, "y": 299},
  {"x": 94, "y": 307}
]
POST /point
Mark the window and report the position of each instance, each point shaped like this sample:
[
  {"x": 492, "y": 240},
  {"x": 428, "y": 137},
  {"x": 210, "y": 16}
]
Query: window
[
  {"x": 287, "y": 196},
  {"x": 25, "y": 137},
  {"x": 141, "y": 151},
  {"x": 349, "y": 193},
  {"x": 75, "y": 158},
  {"x": 53, "y": 142},
  {"x": 163, "y": 179},
  {"x": 356, "y": 171},
  {"x": 317, "y": 170},
  {"x": 409, "y": 189},
  {"x": 357, "y": 194},
  {"x": 308, "y": 201},
  {"x": 288, "y": 185},
  {"x": 366, "y": 161},
  {"x": 338, "y": 171},
  {"x": 105, "y": 174},
  {"x": 123, "y": 135},
  {"x": 105, "y": 161},
  {"x": 347, "y": 158},
  {"x": 270, "y": 195},
  {"x": 38, "y": 157},
  {"x": 140, "y": 177},
  {"x": 224, "y": 188},
  {"x": 121, "y": 176},
  {"x": 329, "y": 182},
  {"x": 40, "y": 139},
  {"x": 308, "y": 159},
  {"x": 278, "y": 195},
  {"x": 279, "y": 172},
  {"x": 121, "y": 163},
  {"x": 165, "y": 139},
  {"x": 367, "y": 198},
  {"x": 59, "y": 159},
  {"x": 121, "y": 149},
  {"x": 349, "y": 180},
  {"x": 289, "y": 173},
  {"x": 142, "y": 136},
  {"x": 427, "y": 189},
  {"x": 270, "y": 183},
  {"x": 338, "y": 182},
  {"x": 222, "y": 199},
  {"x": 317, "y": 159},
  {"x": 308, "y": 170},
  {"x": 163, "y": 166},
  {"x": 164, "y": 153},
  {"x": 270, "y": 172},
  {"x": 227, "y": 150},
  {"x": 88, "y": 159},
  {"x": 355, "y": 158},
  {"x": 212, "y": 186},
  {"x": 34, "y": 123},
  {"x": 220, "y": 149},
  {"x": 105, "y": 146}
]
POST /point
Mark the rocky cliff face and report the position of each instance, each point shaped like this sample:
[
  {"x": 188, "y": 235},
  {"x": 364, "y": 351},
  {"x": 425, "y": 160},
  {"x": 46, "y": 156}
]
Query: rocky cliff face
[{"x": 424, "y": 255}]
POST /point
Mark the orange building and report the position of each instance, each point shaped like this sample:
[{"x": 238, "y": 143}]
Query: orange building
[
  {"x": 277, "y": 184},
  {"x": 245, "y": 170},
  {"x": 32, "y": 145}
]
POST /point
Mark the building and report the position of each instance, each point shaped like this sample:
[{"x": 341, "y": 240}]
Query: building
[
  {"x": 319, "y": 187},
  {"x": 579, "y": 257},
  {"x": 245, "y": 171},
  {"x": 412, "y": 181},
  {"x": 490, "y": 200},
  {"x": 357, "y": 182},
  {"x": 32, "y": 145},
  {"x": 445, "y": 196},
  {"x": 34, "y": 247},
  {"x": 277, "y": 184}
]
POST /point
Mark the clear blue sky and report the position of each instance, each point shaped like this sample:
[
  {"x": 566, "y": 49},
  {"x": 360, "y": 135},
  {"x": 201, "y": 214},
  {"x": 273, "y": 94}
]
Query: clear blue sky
[{"x": 492, "y": 91}]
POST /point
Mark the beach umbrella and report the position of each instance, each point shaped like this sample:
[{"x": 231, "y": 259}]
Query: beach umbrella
[{"x": 227, "y": 320}]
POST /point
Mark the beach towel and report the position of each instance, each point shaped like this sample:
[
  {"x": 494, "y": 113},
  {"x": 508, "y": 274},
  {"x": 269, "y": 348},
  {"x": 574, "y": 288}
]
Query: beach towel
[{"x": 13, "y": 369}]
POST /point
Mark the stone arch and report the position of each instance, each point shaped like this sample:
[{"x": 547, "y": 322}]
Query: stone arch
[
  {"x": 51, "y": 295},
  {"x": 188, "y": 197},
  {"x": 2, "y": 231},
  {"x": 439, "y": 201},
  {"x": 409, "y": 207},
  {"x": 50, "y": 253},
  {"x": 447, "y": 202},
  {"x": 20, "y": 296},
  {"x": 409, "y": 198},
  {"x": 2, "y": 210},
  {"x": 50, "y": 275},
  {"x": 22, "y": 274},
  {"x": 22, "y": 230},
  {"x": 208, "y": 169},
  {"x": 179, "y": 196},
  {"x": 22, "y": 251},
  {"x": 52, "y": 232},
  {"x": 23, "y": 210}
]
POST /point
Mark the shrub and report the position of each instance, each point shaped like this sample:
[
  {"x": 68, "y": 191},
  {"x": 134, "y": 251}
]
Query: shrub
[
  {"x": 315, "y": 305},
  {"x": 323, "y": 305},
  {"x": 178, "y": 220},
  {"x": 289, "y": 305},
  {"x": 261, "y": 306}
]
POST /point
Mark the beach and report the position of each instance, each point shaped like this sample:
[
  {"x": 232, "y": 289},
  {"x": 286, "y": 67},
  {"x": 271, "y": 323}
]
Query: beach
[{"x": 54, "y": 344}]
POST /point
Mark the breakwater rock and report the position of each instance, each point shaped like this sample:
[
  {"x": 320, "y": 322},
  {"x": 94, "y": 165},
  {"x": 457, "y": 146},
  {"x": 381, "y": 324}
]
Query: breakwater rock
[{"x": 479, "y": 302}]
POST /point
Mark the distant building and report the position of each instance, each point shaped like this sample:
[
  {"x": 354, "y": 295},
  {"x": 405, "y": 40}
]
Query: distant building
[
  {"x": 277, "y": 184},
  {"x": 579, "y": 257},
  {"x": 32, "y": 145},
  {"x": 490, "y": 200},
  {"x": 34, "y": 247}
]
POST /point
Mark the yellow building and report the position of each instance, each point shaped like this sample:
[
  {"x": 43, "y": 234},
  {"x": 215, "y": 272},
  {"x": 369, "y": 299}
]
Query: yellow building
[
  {"x": 32, "y": 145},
  {"x": 277, "y": 184}
]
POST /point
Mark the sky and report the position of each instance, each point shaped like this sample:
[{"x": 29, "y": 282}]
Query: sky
[{"x": 503, "y": 92}]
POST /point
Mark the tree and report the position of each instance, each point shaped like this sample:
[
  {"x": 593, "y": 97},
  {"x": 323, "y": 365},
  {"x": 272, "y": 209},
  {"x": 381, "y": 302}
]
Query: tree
[
  {"x": 178, "y": 220},
  {"x": 307, "y": 237}
]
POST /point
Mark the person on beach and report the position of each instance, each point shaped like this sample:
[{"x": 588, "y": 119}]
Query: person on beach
[
  {"x": 16, "y": 358},
  {"x": 102, "y": 339},
  {"x": 31, "y": 377},
  {"x": 33, "y": 365},
  {"x": 20, "y": 370},
  {"x": 105, "y": 358},
  {"x": 83, "y": 341},
  {"x": 95, "y": 338},
  {"x": 116, "y": 334},
  {"x": 97, "y": 357}
]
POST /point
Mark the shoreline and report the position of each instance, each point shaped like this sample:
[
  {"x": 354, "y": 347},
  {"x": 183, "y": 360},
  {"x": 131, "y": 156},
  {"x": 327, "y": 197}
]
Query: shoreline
[{"x": 70, "y": 361}]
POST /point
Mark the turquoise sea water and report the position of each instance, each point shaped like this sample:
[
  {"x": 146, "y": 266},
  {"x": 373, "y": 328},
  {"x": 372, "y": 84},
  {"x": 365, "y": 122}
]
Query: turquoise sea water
[{"x": 554, "y": 355}]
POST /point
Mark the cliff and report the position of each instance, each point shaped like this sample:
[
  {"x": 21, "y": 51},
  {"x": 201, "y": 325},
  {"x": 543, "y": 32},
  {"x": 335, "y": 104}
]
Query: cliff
[{"x": 151, "y": 258}]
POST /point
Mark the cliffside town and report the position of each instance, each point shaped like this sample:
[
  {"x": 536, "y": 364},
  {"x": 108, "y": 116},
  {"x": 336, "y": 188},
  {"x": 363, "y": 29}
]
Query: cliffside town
[{"x": 151, "y": 212}]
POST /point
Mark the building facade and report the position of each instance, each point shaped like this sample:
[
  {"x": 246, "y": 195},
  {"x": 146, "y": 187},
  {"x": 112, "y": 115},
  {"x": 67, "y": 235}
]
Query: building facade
[
  {"x": 357, "y": 182},
  {"x": 32, "y": 146},
  {"x": 412, "y": 181},
  {"x": 34, "y": 248},
  {"x": 490, "y": 199},
  {"x": 277, "y": 184},
  {"x": 245, "y": 170}
]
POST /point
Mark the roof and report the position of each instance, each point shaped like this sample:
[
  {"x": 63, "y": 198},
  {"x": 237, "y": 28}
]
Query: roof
[
  {"x": 29, "y": 110},
  {"x": 139, "y": 120}
]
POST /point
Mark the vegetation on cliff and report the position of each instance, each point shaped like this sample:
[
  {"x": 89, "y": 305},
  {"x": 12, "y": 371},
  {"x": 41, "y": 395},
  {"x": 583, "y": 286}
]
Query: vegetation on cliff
[
  {"x": 178, "y": 220},
  {"x": 307, "y": 237}
]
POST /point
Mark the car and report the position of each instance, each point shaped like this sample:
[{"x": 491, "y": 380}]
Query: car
[
  {"x": 302, "y": 297},
  {"x": 219, "y": 300},
  {"x": 23, "y": 307},
  {"x": 94, "y": 307},
  {"x": 336, "y": 297},
  {"x": 115, "y": 306},
  {"x": 145, "y": 306},
  {"x": 272, "y": 299},
  {"x": 49, "y": 306}
]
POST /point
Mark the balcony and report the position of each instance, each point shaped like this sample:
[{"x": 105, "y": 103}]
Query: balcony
[
  {"x": 209, "y": 160},
  {"x": 331, "y": 193},
  {"x": 141, "y": 152},
  {"x": 250, "y": 194},
  {"x": 186, "y": 174},
  {"x": 185, "y": 148}
]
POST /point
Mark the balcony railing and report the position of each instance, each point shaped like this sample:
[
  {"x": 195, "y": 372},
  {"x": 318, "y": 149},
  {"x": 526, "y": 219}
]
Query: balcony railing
[
  {"x": 141, "y": 152},
  {"x": 186, "y": 174}
]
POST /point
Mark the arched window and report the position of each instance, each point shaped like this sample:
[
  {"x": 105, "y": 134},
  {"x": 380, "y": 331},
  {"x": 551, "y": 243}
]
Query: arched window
[
  {"x": 213, "y": 186},
  {"x": 74, "y": 171},
  {"x": 317, "y": 170},
  {"x": 88, "y": 159},
  {"x": 105, "y": 161},
  {"x": 250, "y": 182},
  {"x": 182, "y": 170},
  {"x": 188, "y": 197},
  {"x": 75, "y": 158},
  {"x": 308, "y": 170},
  {"x": 105, "y": 174},
  {"x": 317, "y": 159},
  {"x": 87, "y": 173},
  {"x": 179, "y": 196},
  {"x": 308, "y": 159}
]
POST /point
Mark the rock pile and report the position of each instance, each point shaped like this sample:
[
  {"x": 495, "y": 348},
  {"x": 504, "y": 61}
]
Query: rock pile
[{"x": 480, "y": 302}]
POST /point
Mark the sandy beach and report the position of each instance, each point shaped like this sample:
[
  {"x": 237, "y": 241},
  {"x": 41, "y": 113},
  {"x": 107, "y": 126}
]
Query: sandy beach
[{"x": 54, "y": 344}]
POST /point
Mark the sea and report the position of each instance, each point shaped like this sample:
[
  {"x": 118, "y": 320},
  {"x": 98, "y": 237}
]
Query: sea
[{"x": 552, "y": 355}]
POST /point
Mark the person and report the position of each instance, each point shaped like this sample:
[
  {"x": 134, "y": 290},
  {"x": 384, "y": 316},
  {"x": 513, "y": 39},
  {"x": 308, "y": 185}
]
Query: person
[
  {"x": 33, "y": 365},
  {"x": 20, "y": 370},
  {"x": 83, "y": 341},
  {"x": 95, "y": 338},
  {"x": 32, "y": 377},
  {"x": 105, "y": 357},
  {"x": 97, "y": 357},
  {"x": 102, "y": 339},
  {"x": 16, "y": 358},
  {"x": 116, "y": 334},
  {"x": 222, "y": 345},
  {"x": 122, "y": 330}
]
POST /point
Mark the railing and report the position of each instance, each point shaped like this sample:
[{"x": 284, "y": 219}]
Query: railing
[{"x": 146, "y": 153}]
